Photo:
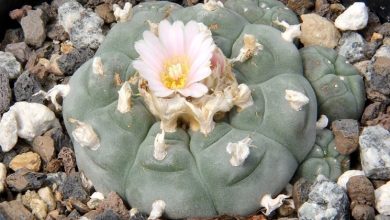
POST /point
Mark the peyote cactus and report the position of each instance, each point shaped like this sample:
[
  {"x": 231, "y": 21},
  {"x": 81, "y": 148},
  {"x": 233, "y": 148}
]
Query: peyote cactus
[{"x": 190, "y": 149}]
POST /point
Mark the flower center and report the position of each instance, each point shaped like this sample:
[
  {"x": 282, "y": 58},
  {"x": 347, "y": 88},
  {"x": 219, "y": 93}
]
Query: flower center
[{"x": 175, "y": 72}]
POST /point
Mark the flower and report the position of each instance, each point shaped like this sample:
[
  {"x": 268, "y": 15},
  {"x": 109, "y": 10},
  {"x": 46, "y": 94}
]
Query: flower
[{"x": 177, "y": 59}]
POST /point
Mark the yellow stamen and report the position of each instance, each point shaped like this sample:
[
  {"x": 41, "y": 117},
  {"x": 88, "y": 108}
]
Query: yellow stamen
[{"x": 175, "y": 72}]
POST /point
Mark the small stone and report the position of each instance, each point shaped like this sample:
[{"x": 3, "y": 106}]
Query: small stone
[
  {"x": 3, "y": 176},
  {"x": 5, "y": 93},
  {"x": 60, "y": 138},
  {"x": 383, "y": 119},
  {"x": 301, "y": 6},
  {"x": 371, "y": 112},
  {"x": 346, "y": 133},
  {"x": 373, "y": 26},
  {"x": 57, "y": 32},
  {"x": 21, "y": 51},
  {"x": 322, "y": 7},
  {"x": 375, "y": 152},
  {"x": 300, "y": 193},
  {"x": 327, "y": 200},
  {"x": 9, "y": 65},
  {"x": 384, "y": 29},
  {"x": 382, "y": 201},
  {"x": 74, "y": 215},
  {"x": 91, "y": 214},
  {"x": 108, "y": 214},
  {"x": 28, "y": 160},
  {"x": 25, "y": 87},
  {"x": 44, "y": 146},
  {"x": 70, "y": 62},
  {"x": 12, "y": 36},
  {"x": 336, "y": 9},
  {"x": 38, "y": 208},
  {"x": 84, "y": 27},
  {"x": 361, "y": 193},
  {"x": 24, "y": 179},
  {"x": 56, "y": 178},
  {"x": 287, "y": 209},
  {"x": 53, "y": 166},
  {"x": 28, "y": 197},
  {"x": 73, "y": 187},
  {"x": 95, "y": 200},
  {"x": 317, "y": 30},
  {"x": 34, "y": 28},
  {"x": 114, "y": 202},
  {"x": 14, "y": 210},
  {"x": 352, "y": 46},
  {"x": 79, "y": 206},
  {"x": 105, "y": 12},
  {"x": 354, "y": 18},
  {"x": 8, "y": 156},
  {"x": 47, "y": 196},
  {"x": 68, "y": 159},
  {"x": 19, "y": 13}
]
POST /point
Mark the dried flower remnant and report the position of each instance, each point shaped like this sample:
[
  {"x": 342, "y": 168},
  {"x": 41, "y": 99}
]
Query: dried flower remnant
[
  {"x": 191, "y": 81},
  {"x": 125, "y": 14},
  {"x": 85, "y": 135},
  {"x": 251, "y": 48},
  {"x": 239, "y": 151},
  {"x": 124, "y": 100},
  {"x": 160, "y": 148}
]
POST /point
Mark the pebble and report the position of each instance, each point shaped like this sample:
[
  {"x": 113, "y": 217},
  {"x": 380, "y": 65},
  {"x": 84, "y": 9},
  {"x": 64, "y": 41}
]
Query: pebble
[
  {"x": 72, "y": 187},
  {"x": 19, "y": 13},
  {"x": 384, "y": 29},
  {"x": 26, "y": 86},
  {"x": 352, "y": 46},
  {"x": 300, "y": 6},
  {"x": 12, "y": 36},
  {"x": 70, "y": 62},
  {"x": 372, "y": 111},
  {"x": 108, "y": 214},
  {"x": 383, "y": 119},
  {"x": 53, "y": 166},
  {"x": 354, "y": 18},
  {"x": 56, "y": 178},
  {"x": 34, "y": 28},
  {"x": 95, "y": 200},
  {"x": 3, "y": 176},
  {"x": 67, "y": 156},
  {"x": 38, "y": 208},
  {"x": 114, "y": 202},
  {"x": 346, "y": 132},
  {"x": 317, "y": 30},
  {"x": 28, "y": 197},
  {"x": 57, "y": 32},
  {"x": 105, "y": 12},
  {"x": 382, "y": 201},
  {"x": 29, "y": 160},
  {"x": 5, "y": 92},
  {"x": 79, "y": 206},
  {"x": 24, "y": 179},
  {"x": 47, "y": 196},
  {"x": 300, "y": 193},
  {"x": 44, "y": 146},
  {"x": 344, "y": 178},
  {"x": 9, "y": 65},
  {"x": 74, "y": 215},
  {"x": 20, "y": 50},
  {"x": 7, "y": 210},
  {"x": 375, "y": 152},
  {"x": 60, "y": 138},
  {"x": 84, "y": 27},
  {"x": 322, "y": 7},
  {"x": 327, "y": 200},
  {"x": 361, "y": 193}
]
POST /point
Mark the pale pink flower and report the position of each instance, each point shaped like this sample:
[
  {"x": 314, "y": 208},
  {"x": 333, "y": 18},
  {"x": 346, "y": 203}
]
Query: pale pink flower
[{"x": 177, "y": 59}]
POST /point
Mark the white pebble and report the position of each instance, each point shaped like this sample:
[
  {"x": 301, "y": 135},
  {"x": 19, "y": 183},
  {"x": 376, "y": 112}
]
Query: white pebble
[
  {"x": 47, "y": 196},
  {"x": 382, "y": 199},
  {"x": 354, "y": 18},
  {"x": 3, "y": 176}
]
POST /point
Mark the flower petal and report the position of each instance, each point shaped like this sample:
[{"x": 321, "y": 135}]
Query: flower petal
[
  {"x": 145, "y": 71},
  {"x": 148, "y": 55},
  {"x": 195, "y": 90},
  {"x": 190, "y": 31},
  {"x": 162, "y": 91},
  {"x": 199, "y": 75}
]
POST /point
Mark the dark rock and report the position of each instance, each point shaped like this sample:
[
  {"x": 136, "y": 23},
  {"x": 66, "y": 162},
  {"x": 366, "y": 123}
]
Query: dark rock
[
  {"x": 20, "y": 50},
  {"x": 114, "y": 202},
  {"x": 9, "y": 65},
  {"x": 12, "y": 36},
  {"x": 57, "y": 32},
  {"x": 50, "y": 11},
  {"x": 26, "y": 86},
  {"x": 5, "y": 93},
  {"x": 74, "y": 215},
  {"x": 53, "y": 166},
  {"x": 68, "y": 158},
  {"x": 60, "y": 138},
  {"x": 383, "y": 119},
  {"x": 346, "y": 132},
  {"x": 361, "y": 192},
  {"x": 301, "y": 190},
  {"x": 372, "y": 111},
  {"x": 34, "y": 28},
  {"x": 108, "y": 214},
  {"x": 73, "y": 188},
  {"x": 105, "y": 12},
  {"x": 322, "y": 7},
  {"x": 56, "y": 178},
  {"x": 301, "y": 6},
  {"x": 92, "y": 214},
  {"x": 142, "y": 216},
  {"x": 378, "y": 84},
  {"x": 14, "y": 210},
  {"x": 8, "y": 156},
  {"x": 384, "y": 29},
  {"x": 24, "y": 179},
  {"x": 69, "y": 63},
  {"x": 373, "y": 25}
]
